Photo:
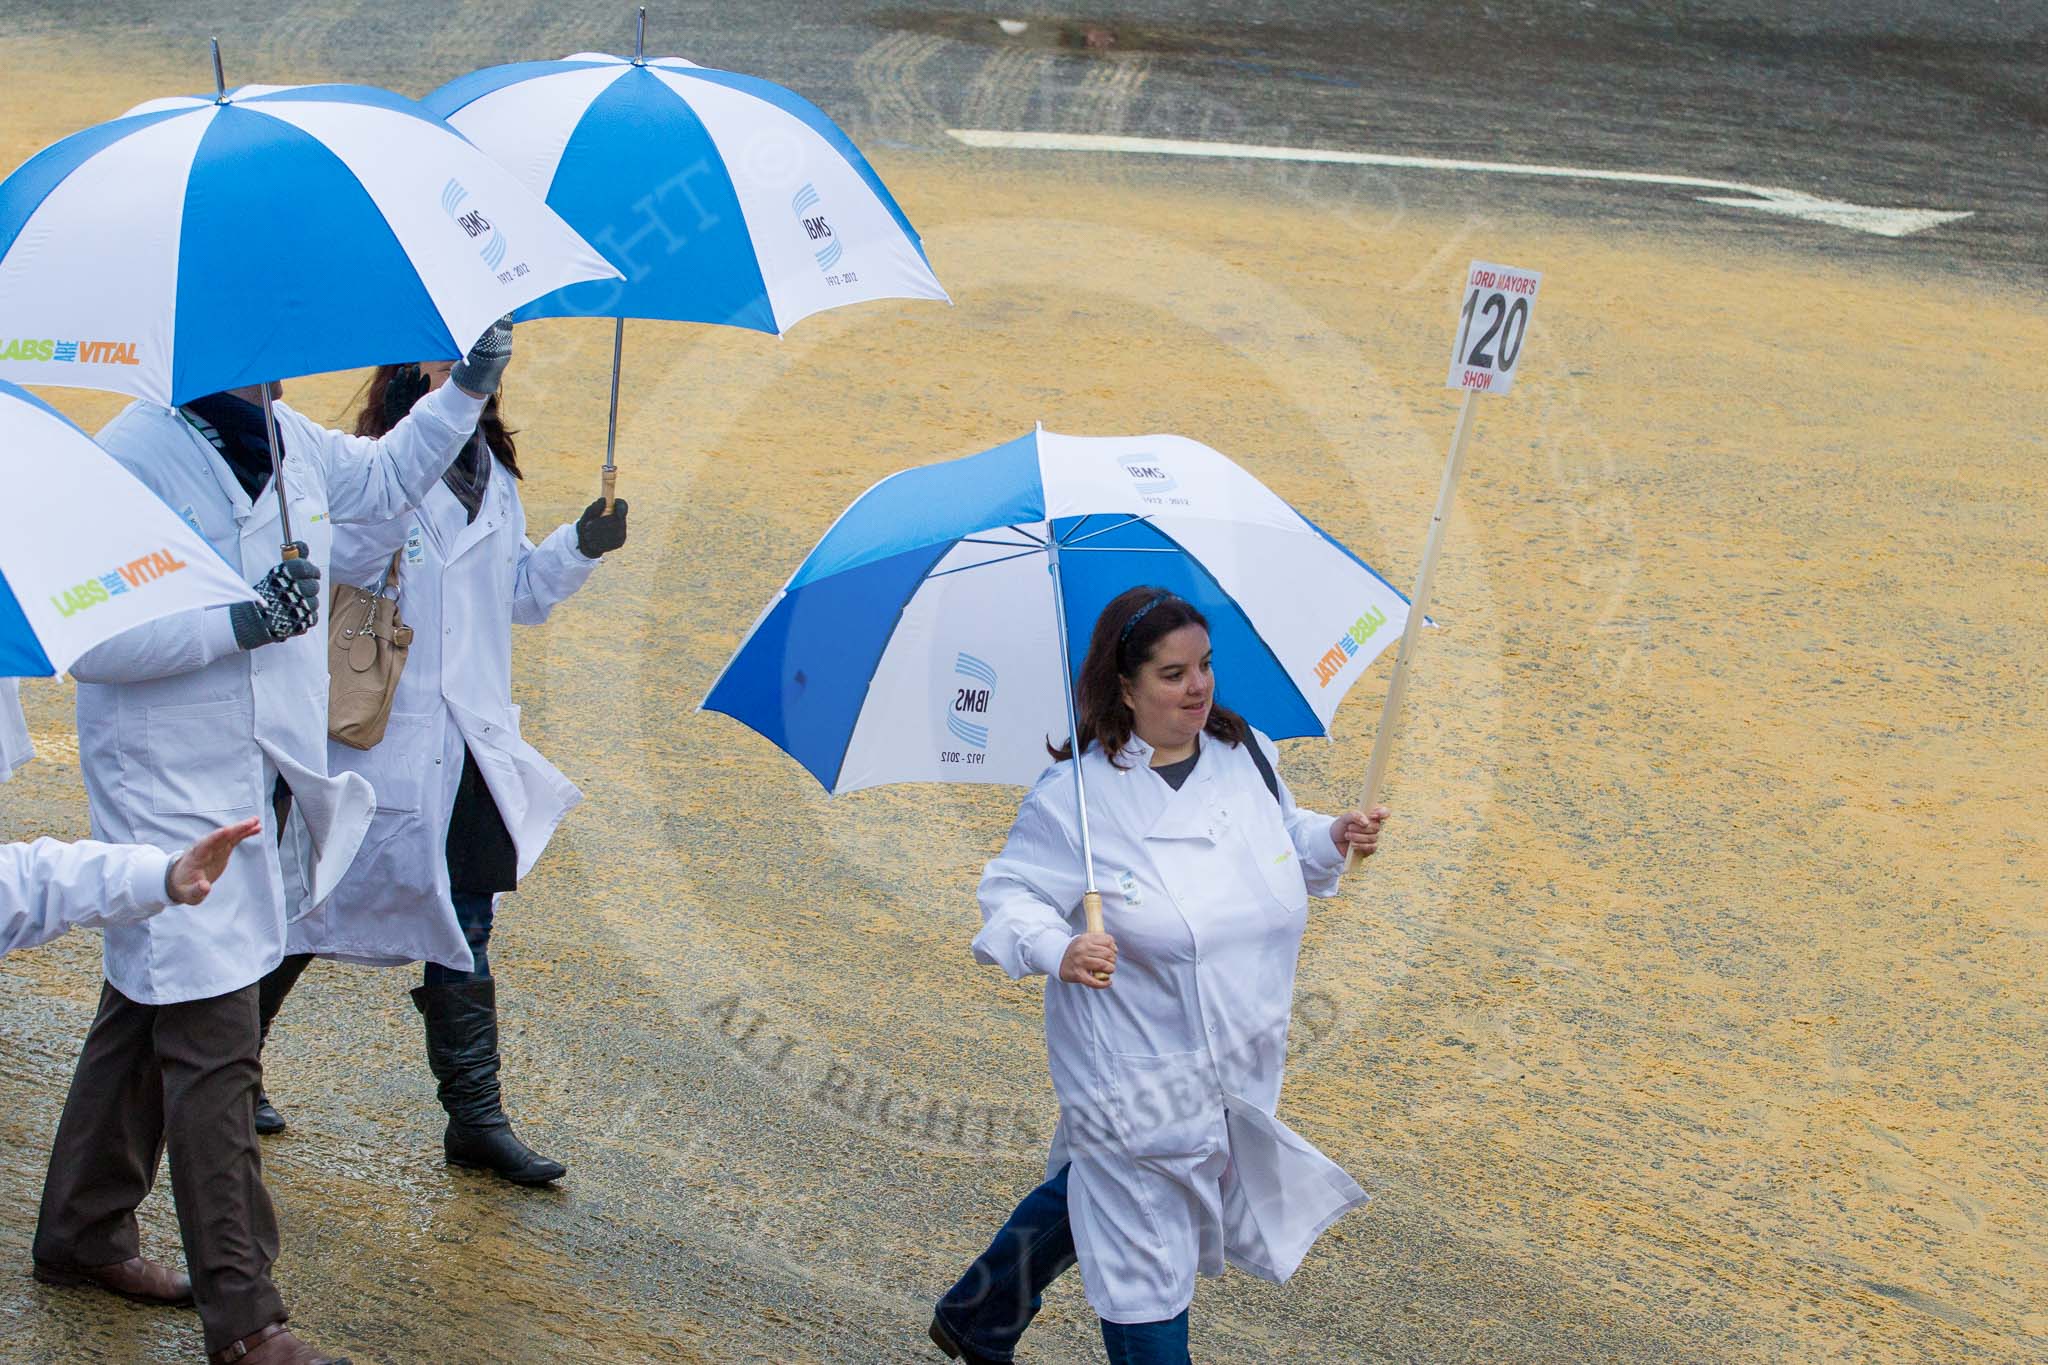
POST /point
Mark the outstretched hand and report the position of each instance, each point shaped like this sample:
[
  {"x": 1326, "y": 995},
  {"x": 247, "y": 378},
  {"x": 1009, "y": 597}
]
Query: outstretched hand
[{"x": 191, "y": 875}]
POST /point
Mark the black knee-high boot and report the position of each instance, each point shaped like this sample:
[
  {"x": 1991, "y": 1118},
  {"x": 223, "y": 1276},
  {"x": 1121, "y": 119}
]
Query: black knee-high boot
[
  {"x": 462, "y": 1052},
  {"x": 270, "y": 994}
]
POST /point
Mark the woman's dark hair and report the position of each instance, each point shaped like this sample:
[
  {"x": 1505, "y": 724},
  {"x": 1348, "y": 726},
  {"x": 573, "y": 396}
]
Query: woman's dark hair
[
  {"x": 1126, "y": 634},
  {"x": 377, "y": 417}
]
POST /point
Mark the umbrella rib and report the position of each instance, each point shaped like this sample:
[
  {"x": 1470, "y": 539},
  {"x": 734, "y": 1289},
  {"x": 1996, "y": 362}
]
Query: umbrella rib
[
  {"x": 1031, "y": 536},
  {"x": 1005, "y": 544},
  {"x": 984, "y": 564},
  {"x": 1066, "y": 544},
  {"x": 1118, "y": 550}
]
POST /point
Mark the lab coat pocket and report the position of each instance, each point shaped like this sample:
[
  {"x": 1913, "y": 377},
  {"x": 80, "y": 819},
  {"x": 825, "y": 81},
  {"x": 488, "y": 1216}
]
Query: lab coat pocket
[
  {"x": 1168, "y": 1106},
  {"x": 185, "y": 746},
  {"x": 1279, "y": 866},
  {"x": 402, "y": 763}
]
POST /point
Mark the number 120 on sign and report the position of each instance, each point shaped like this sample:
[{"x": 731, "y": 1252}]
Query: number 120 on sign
[{"x": 1493, "y": 322}]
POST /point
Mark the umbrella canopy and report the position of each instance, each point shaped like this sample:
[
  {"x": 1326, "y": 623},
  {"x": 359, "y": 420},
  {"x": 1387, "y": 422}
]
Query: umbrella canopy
[
  {"x": 209, "y": 242},
  {"x": 86, "y": 551},
  {"x": 921, "y": 640},
  {"x": 721, "y": 198}
]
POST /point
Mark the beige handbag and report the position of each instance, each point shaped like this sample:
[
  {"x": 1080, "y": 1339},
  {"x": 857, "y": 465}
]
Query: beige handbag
[{"x": 366, "y": 645}]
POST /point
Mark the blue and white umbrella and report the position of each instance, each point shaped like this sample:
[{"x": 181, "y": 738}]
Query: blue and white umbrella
[
  {"x": 922, "y": 639},
  {"x": 721, "y": 198},
  {"x": 208, "y": 242},
  {"x": 86, "y": 550}
]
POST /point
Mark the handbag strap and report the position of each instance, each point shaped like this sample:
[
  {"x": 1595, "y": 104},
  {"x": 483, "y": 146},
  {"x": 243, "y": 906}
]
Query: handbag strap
[
  {"x": 391, "y": 575},
  {"x": 1265, "y": 767}
]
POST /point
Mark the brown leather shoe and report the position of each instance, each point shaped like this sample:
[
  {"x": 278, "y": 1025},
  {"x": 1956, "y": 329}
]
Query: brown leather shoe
[
  {"x": 137, "y": 1278},
  {"x": 273, "y": 1346}
]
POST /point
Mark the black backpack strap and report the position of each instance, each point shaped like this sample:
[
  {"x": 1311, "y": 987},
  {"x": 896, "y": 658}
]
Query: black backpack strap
[{"x": 1265, "y": 767}]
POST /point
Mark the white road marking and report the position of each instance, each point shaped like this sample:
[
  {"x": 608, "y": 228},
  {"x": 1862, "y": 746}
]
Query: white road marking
[{"x": 1884, "y": 222}]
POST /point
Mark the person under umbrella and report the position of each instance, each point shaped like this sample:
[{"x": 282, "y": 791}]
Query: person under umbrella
[
  {"x": 467, "y": 806},
  {"x": 182, "y": 721},
  {"x": 1166, "y": 1036}
]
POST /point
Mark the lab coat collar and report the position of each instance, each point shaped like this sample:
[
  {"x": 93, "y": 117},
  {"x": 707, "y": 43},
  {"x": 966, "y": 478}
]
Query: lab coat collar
[
  {"x": 230, "y": 486},
  {"x": 488, "y": 514},
  {"x": 1187, "y": 814}
]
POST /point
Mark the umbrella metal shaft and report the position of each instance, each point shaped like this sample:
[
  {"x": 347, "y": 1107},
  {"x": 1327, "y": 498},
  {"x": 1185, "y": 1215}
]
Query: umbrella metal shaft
[
  {"x": 1091, "y": 900},
  {"x": 284, "y": 511},
  {"x": 611, "y": 434}
]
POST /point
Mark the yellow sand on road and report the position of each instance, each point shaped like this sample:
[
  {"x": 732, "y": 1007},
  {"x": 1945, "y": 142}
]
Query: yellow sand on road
[{"x": 1701, "y": 980}]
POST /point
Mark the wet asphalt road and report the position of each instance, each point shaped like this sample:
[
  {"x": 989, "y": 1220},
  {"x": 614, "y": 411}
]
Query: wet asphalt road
[{"x": 1901, "y": 103}]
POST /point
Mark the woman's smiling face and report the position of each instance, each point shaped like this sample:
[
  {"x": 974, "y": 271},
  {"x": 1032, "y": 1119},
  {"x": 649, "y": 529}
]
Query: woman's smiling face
[{"x": 1171, "y": 692}]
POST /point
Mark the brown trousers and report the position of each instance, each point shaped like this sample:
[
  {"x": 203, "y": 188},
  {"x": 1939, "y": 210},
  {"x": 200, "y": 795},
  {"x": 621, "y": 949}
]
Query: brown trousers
[{"x": 185, "y": 1077}]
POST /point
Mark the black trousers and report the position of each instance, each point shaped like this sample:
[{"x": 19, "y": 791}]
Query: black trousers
[{"x": 184, "y": 1078}]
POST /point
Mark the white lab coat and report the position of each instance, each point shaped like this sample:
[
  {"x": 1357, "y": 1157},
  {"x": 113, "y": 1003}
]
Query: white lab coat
[
  {"x": 48, "y": 887},
  {"x": 1168, "y": 1080},
  {"x": 15, "y": 749},
  {"x": 462, "y": 587},
  {"x": 180, "y": 731}
]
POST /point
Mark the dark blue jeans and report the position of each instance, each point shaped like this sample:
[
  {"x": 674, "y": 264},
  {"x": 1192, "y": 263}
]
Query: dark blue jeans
[
  {"x": 1147, "y": 1343},
  {"x": 473, "y": 912},
  {"x": 988, "y": 1310}
]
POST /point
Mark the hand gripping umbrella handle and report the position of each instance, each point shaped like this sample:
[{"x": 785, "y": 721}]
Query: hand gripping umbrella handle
[
  {"x": 1091, "y": 909},
  {"x": 611, "y": 485}
]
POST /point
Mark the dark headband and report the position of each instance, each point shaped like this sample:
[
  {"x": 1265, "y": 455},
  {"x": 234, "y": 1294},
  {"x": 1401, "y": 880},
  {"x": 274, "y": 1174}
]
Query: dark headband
[{"x": 1138, "y": 616}]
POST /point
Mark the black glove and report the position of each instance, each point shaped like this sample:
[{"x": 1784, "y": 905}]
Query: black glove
[
  {"x": 480, "y": 371},
  {"x": 406, "y": 388},
  {"x": 598, "y": 532},
  {"x": 291, "y": 604}
]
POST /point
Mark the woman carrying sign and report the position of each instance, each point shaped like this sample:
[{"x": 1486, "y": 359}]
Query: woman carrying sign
[{"x": 1166, "y": 1037}]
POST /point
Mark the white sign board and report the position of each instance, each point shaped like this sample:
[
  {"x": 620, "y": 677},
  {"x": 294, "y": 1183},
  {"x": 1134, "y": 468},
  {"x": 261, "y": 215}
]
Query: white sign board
[{"x": 1493, "y": 322}]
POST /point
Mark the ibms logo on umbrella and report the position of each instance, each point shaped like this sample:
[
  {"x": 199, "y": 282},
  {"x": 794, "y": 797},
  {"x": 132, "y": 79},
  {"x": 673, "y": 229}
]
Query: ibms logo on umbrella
[
  {"x": 134, "y": 574},
  {"x": 826, "y": 249},
  {"x": 972, "y": 691},
  {"x": 1153, "y": 480},
  {"x": 1346, "y": 649},
  {"x": 479, "y": 228}
]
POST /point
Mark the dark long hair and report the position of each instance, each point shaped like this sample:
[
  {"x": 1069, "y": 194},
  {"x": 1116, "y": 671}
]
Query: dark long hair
[
  {"x": 374, "y": 421},
  {"x": 1125, "y": 636}
]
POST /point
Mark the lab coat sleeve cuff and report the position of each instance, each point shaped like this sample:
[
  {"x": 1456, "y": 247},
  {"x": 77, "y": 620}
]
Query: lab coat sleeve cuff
[
  {"x": 1322, "y": 854},
  {"x": 217, "y": 635},
  {"x": 460, "y": 411},
  {"x": 143, "y": 891},
  {"x": 1044, "y": 950}
]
